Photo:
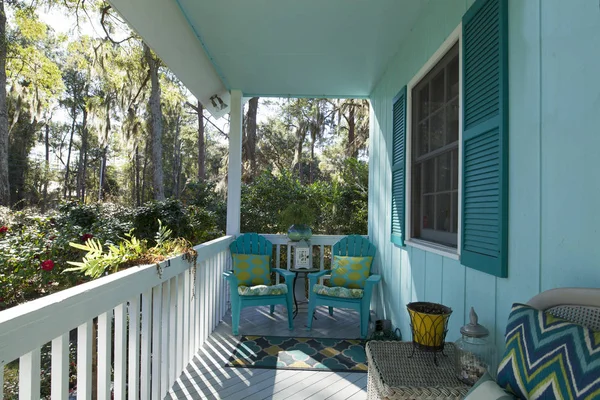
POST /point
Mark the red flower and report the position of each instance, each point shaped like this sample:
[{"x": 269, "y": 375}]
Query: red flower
[
  {"x": 85, "y": 237},
  {"x": 48, "y": 265},
  {"x": 3, "y": 229}
]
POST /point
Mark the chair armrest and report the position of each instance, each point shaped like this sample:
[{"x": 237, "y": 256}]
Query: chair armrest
[
  {"x": 318, "y": 274},
  {"x": 284, "y": 272},
  {"x": 372, "y": 279},
  {"x": 230, "y": 276},
  {"x": 314, "y": 276}
]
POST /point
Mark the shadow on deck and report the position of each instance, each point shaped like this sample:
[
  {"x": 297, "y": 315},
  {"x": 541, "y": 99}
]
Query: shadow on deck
[{"x": 205, "y": 377}]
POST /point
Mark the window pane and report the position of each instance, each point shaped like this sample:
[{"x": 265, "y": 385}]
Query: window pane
[
  {"x": 444, "y": 175},
  {"x": 422, "y": 143},
  {"x": 428, "y": 212},
  {"x": 423, "y": 105},
  {"x": 437, "y": 91},
  {"x": 455, "y": 212},
  {"x": 429, "y": 176},
  {"x": 455, "y": 169},
  {"x": 452, "y": 122},
  {"x": 416, "y": 200},
  {"x": 443, "y": 212},
  {"x": 453, "y": 79},
  {"x": 437, "y": 131}
]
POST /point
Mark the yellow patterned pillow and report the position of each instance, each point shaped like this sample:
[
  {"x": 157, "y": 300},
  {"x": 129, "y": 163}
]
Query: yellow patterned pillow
[
  {"x": 252, "y": 269},
  {"x": 350, "y": 272}
]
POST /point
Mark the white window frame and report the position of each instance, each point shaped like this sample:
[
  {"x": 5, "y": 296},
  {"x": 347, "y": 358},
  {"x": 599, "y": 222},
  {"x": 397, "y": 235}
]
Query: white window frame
[{"x": 451, "y": 252}]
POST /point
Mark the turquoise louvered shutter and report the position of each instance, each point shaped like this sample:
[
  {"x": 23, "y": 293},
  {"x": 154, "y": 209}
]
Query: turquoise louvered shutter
[
  {"x": 398, "y": 166},
  {"x": 485, "y": 138}
]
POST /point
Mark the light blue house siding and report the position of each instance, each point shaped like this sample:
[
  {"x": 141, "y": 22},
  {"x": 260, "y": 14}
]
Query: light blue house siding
[{"x": 554, "y": 166}]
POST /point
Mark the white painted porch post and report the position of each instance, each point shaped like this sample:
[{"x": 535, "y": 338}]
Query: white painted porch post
[{"x": 234, "y": 172}]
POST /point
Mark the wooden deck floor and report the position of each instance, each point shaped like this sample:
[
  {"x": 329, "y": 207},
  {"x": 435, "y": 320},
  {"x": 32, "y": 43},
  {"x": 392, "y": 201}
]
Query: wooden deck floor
[{"x": 206, "y": 377}]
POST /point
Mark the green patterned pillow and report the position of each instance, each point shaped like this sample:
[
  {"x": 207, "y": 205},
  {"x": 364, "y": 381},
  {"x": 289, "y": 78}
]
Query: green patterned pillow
[
  {"x": 350, "y": 272},
  {"x": 548, "y": 357},
  {"x": 252, "y": 269}
]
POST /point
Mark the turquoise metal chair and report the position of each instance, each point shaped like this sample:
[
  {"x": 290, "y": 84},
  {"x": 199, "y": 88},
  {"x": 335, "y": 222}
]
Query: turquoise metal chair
[
  {"x": 252, "y": 243},
  {"x": 352, "y": 246}
]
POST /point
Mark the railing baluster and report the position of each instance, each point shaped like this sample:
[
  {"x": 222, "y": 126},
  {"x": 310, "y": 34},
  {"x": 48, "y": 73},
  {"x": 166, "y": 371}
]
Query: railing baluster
[
  {"x": 192, "y": 321},
  {"x": 209, "y": 291},
  {"x": 179, "y": 361},
  {"x": 133, "y": 379},
  {"x": 104, "y": 353},
  {"x": 204, "y": 301},
  {"x": 60, "y": 367},
  {"x": 322, "y": 257},
  {"x": 222, "y": 285},
  {"x": 198, "y": 305},
  {"x": 156, "y": 343},
  {"x": 145, "y": 354},
  {"x": 120, "y": 366},
  {"x": 213, "y": 282},
  {"x": 173, "y": 327},
  {"x": 185, "y": 348},
  {"x": 84, "y": 361},
  {"x": 218, "y": 281},
  {"x": 165, "y": 338},
  {"x": 29, "y": 375}
]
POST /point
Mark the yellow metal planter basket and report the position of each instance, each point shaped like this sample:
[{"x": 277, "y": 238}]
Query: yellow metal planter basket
[{"x": 429, "y": 325}]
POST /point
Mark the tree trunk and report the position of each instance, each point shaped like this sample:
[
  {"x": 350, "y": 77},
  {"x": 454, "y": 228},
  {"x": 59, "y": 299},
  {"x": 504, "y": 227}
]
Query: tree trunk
[
  {"x": 68, "y": 166},
  {"x": 46, "y": 167},
  {"x": 251, "y": 134},
  {"x": 144, "y": 180},
  {"x": 4, "y": 184},
  {"x": 81, "y": 169},
  {"x": 105, "y": 149},
  {"x": 351, "y": 149},
  {"x": 300, "y": 137},
  {"x": 176, "y": 158},
  {"x": 156, "y": 126},
  {"x": 201, "y": 144},
  {"x": 138, "y": 199}
]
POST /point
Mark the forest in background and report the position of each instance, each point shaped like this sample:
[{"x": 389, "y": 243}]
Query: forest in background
[
  {"x": 99, "y": 118},
  {"x": 100, "y": 142}
]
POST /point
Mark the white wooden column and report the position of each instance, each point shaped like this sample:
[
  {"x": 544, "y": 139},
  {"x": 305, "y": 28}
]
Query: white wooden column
[{"x": 234, "y": 172}]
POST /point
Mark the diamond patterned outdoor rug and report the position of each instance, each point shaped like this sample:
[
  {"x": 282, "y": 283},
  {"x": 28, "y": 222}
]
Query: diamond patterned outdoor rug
[{"x": 315, "y": 354}]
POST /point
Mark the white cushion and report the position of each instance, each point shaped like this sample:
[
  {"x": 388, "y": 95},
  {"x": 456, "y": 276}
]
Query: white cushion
[{"x": 487, "y": 389}]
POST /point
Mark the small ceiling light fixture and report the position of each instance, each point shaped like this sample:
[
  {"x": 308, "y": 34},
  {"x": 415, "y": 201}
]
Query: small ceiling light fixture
[{"x": 217, "y": 102}]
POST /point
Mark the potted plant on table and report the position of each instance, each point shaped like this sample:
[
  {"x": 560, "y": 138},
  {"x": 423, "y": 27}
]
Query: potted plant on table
[{"x": 298, "y": 218}]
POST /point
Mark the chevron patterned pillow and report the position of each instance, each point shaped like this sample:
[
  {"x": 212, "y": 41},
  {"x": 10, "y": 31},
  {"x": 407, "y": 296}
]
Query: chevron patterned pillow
[{"x": 548, "y": 357}]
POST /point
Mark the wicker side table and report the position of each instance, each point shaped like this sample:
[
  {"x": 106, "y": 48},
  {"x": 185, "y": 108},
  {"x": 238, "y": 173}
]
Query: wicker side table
[{"x": 393, "y": 375}]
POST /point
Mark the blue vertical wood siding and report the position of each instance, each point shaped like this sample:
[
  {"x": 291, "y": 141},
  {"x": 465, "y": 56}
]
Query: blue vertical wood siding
[{"x": 554, "y": 142}]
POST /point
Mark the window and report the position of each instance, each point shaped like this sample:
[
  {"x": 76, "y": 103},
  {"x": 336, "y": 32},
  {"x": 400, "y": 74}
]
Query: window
[
  {"x": 434, "y": 153},
  {"x": 467, "y": 75}
]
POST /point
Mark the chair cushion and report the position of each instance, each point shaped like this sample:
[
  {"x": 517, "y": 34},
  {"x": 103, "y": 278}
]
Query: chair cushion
[
  {"x": 487, "y": 389},
  {"x": 350, "y": 272},
  {"x": 252, "y": 269},
  {"x": 263, "y": 290},
  {"x": 338, "y": 291},
  {"x": 549, "y": 357}
]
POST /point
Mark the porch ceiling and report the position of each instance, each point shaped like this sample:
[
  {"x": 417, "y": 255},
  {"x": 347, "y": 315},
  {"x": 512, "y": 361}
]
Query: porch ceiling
[{"x": 315, "y": 48}]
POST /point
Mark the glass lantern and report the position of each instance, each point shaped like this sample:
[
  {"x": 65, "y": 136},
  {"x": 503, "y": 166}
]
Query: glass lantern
[{"x": 474, "y": 352}]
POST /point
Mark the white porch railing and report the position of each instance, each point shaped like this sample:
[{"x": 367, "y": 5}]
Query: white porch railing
[
  {"x": 157, "y": 317},
  {"x": 152, "y": 319}
]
